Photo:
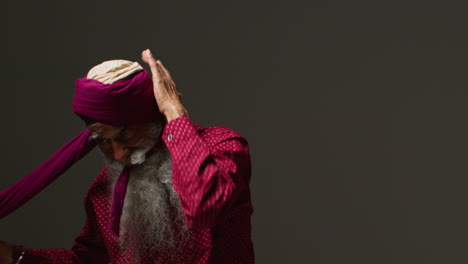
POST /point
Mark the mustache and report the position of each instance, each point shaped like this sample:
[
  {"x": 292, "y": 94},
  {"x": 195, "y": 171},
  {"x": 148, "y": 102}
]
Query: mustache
[{"x": 137, "y": 157}]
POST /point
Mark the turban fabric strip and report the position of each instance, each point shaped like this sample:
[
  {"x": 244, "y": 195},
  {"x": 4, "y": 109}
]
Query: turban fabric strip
[
  {"x": 31, "y": 184},
  {"x": 122, "y": 103}
]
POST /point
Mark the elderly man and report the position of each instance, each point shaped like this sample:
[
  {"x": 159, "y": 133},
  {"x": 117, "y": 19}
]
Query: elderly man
[{"x": 172, "y": 191}]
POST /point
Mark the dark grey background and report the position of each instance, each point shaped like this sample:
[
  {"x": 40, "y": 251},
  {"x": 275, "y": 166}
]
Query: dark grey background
[{"x": 355, "y": 113}]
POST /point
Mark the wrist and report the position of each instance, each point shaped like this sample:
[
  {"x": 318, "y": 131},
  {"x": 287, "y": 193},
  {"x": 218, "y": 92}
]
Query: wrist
[
  {"x": 174, "y": 112},
  {"x": 18, "y": 254}
]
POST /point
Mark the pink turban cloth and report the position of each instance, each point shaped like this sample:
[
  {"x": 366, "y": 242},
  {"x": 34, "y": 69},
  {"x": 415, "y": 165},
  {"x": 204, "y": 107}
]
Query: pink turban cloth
[{"x": 125, "y": 102}]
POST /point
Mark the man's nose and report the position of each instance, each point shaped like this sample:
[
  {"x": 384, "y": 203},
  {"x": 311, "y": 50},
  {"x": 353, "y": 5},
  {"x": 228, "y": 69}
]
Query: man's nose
[{"x": 121, "y": 152}]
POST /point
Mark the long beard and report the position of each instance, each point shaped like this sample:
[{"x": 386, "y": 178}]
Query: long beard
[{"x": 152, "y": 217}]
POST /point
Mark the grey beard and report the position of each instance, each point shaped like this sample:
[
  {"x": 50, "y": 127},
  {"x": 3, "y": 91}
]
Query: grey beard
[{"x": 152, "y": 218}]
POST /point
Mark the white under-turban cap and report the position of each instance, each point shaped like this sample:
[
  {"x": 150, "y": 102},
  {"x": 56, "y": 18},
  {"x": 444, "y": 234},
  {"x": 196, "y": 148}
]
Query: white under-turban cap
[{"x": 111, "y": 71}]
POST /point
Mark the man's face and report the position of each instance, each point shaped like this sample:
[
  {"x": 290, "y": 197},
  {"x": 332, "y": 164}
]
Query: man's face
[{"x": 118, "y": 143}]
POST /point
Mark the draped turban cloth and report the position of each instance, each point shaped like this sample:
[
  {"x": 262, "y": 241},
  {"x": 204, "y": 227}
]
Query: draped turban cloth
[{"x": 117, "y": 93}]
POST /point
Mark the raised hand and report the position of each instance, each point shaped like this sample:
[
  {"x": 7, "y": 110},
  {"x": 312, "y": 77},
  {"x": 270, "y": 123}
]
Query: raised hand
[{"x": 165, "y": 92}]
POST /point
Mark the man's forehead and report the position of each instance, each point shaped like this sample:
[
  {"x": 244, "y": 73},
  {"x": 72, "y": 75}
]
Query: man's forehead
[{"x": 101, "y": 129}]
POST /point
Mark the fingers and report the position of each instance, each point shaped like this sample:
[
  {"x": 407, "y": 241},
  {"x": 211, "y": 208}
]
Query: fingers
[
  {"x": 166, "y": 72},
  {"x": 157, "y": 68},
  {"x": 144, "y": 57},
  {"x": 147, "y": 57},
  {"x": 159, "y": 72}
]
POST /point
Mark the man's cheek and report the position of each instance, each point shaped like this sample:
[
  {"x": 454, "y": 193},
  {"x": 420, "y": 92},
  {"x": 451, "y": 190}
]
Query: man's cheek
[{"x": 107, "y": 151}]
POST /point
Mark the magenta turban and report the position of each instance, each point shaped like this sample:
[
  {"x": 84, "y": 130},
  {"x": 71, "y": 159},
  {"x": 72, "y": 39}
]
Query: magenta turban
[{"x": 124, "y": 102}]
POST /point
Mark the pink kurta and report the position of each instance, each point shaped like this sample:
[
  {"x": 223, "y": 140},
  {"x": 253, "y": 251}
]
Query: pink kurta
[{"x": 211, "y": 173}]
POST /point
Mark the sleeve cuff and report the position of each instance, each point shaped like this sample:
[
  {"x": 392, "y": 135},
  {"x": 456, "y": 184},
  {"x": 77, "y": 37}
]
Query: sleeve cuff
[
  {"x": 178, "y": 130},
  {"x": 17, "y": 250}
]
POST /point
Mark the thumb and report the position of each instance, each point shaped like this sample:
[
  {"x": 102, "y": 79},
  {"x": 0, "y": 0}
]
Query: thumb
[{"x": 147, "y": 57}]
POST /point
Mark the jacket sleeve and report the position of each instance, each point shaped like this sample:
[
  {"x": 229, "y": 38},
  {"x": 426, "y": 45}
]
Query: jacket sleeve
[
  {"x": 88, "y": 247},
  {"x": 209, "y": 169}
]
